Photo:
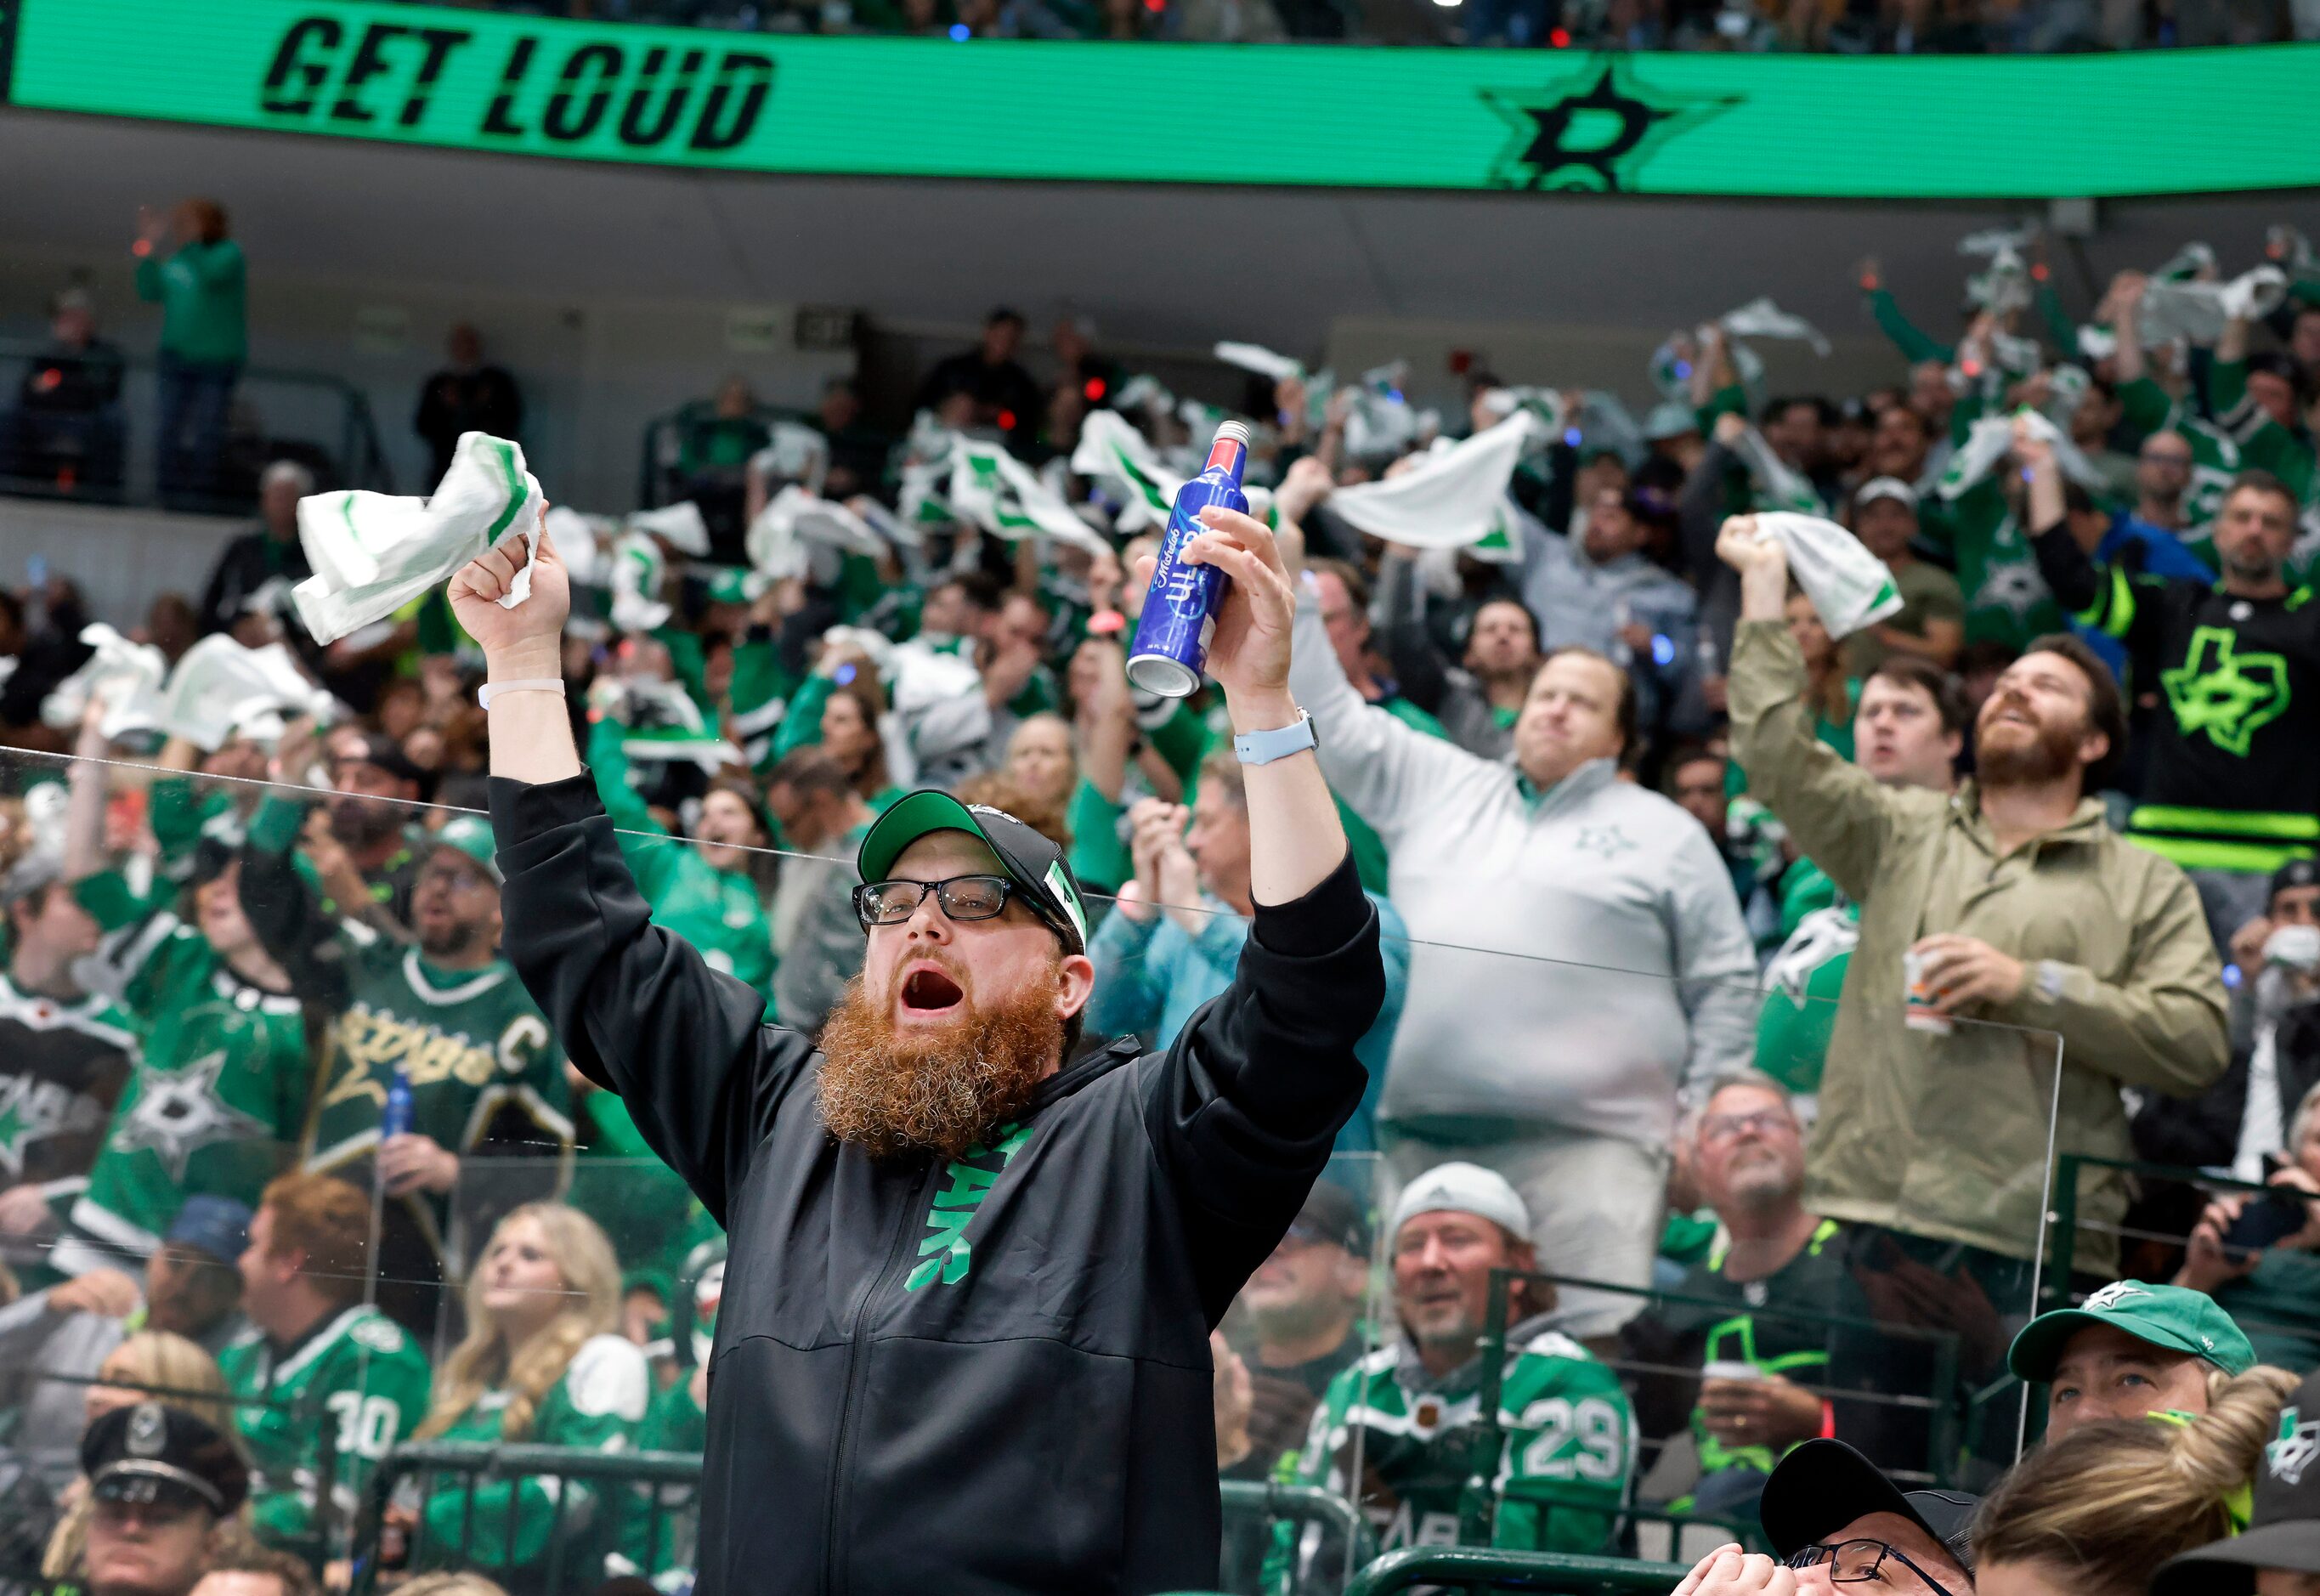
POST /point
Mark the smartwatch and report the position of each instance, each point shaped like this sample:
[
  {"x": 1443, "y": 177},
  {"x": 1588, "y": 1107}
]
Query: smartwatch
[{"x": 1262, "y": 747}]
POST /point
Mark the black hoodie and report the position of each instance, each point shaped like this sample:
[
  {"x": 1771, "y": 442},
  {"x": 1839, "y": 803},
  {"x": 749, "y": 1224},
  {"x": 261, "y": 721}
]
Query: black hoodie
[{"x": 983, "y": 1375}]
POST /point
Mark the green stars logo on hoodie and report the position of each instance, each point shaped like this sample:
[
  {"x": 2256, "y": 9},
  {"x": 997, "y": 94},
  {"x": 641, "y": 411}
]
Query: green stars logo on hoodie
[
  {"x": 2224, "y": 693},
  {"x": 946, "y": 1253}
]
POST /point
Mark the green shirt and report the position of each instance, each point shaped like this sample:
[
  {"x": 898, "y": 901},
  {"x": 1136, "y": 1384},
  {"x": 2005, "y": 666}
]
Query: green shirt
[
  {"x": 1562, "y": 1473},
  {"x": 599, "y": 1404},
  {"x": 217, "y": 1099},
  {"x": 2004, "y": 597},
  {"x": 337, "y": 1399},
  {"x": 716, "y": 911},
  {"x": 2146, "y": 408},
  {"x": 199, "y": 288}
]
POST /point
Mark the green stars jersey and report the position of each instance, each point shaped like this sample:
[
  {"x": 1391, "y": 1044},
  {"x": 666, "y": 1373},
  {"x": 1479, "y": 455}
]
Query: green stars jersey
[
  {"x": 599, "y": 1404},
  {"x": 1562, "y": 1469},
  {"x": 62, "y": 1068},
  {"x": 2005, "y": 598},
  {"x": 2146, "y": 408},
  {"x": 334, "y": 1402},
  {"x": 475, "y": 1049},
  {"x": 481, "y": 1063},
  {"x": 217, "y": 1100},
  {"x": 1802, "y": 984}
]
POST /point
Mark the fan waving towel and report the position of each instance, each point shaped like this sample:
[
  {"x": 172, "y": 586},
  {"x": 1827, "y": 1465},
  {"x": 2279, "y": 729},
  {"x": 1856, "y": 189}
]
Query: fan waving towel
[
  {"x": 1449, "y": 499},
  {"x": 374, "y": 553},
  {"x": 1848, "y": 585}
]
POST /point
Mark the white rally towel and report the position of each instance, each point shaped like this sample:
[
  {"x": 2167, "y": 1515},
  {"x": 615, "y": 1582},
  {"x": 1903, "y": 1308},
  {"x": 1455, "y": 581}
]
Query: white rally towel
[
  {"x": 219, "y": 685},
  {"x": 1760, "y": 318},
  {"x": 125, "y": 677},
  {"x": 639, "y": 567},
  {"x": 1449, "y": 499},
  {"x": 2197, "y": 312},
  {"x": 1775, "y": 478},
  {"x": 794, "y": 523},
  {"x": 1112, "y": 452},
  {"x": 1990, "y": 439},
  {"x": 795, "y": 453},
  {"x": 993, "y": 489},
  {"x": 374, "y": 553},
  {"x": 1257, "y": 357},
  {"x": 679, "y": 524},
  {"x": 1848, "y": 585}
]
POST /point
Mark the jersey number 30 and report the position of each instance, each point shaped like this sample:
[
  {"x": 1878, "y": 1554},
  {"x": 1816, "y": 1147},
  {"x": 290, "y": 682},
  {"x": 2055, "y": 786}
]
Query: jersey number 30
[{"x": 366, "y": 1424}]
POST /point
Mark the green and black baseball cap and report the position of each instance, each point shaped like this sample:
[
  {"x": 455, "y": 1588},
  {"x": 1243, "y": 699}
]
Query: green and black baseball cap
[
  {"x": 1034, "y": 865},
  {"x": 2164, "y": 1316},
  {"x": 471, "y": 834}
]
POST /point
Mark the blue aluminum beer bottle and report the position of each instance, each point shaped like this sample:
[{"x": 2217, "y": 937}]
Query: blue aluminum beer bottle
[
  {"x": 399, "y": 1113},
  {"x": 1180, "y": 609}
]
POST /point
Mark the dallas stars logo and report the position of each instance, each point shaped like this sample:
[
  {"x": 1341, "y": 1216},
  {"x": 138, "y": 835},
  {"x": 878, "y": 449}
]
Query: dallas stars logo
[
  {"x": 1594, "y": 131},
  {"x": 1610, "y": 841},
  {"x": 31, "y": 1110},
  {"x": 2224, "y": 693},
  {"x": 179, "y": 1112}
]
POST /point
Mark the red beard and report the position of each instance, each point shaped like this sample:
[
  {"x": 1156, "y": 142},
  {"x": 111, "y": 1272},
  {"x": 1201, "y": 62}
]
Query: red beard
[{"x": 892, "y": 1091}]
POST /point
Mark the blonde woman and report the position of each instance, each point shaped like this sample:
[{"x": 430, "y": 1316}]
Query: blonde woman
[
  {"x": 542, "y": 1363},
  {"x": 2096, "y": 1511},
  {"x": 151, "y": 1366}
]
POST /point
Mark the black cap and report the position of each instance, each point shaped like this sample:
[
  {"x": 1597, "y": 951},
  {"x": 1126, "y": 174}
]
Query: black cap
[
  {"x": 1036, "y": 866},
  {"x": 1332, "y": 1213},
  {"x": 382, "y": 750},
  {"x": 2283, "y": 1530},
  {"x": 2294, "y": 872},
  {"x": 1824, "y": 1486},
  {"x": 152, "y": 1452}
]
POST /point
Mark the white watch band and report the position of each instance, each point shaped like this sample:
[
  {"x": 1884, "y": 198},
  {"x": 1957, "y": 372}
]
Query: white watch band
[
  {"x": 491, "y": 690},
  {"x": 1262, "y": 747}
]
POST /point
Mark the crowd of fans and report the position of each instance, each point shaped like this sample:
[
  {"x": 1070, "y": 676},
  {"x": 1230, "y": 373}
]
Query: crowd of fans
[
  {"x": 1739, "y": 975},
  {"x": 1849, "y": 26}
]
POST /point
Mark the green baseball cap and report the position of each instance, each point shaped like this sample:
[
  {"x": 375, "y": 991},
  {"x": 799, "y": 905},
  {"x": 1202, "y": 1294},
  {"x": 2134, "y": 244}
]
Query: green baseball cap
[
  {"x": 471, "y": 834},
  {"x": 2165, "y": 1316},
  {"x": 1034, "y": 864}
]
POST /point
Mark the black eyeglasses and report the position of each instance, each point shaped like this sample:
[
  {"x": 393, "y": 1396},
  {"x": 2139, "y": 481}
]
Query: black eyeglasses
[
  {"x": 962, "y": 897},
  {"x": 1853, "y": 1562}
]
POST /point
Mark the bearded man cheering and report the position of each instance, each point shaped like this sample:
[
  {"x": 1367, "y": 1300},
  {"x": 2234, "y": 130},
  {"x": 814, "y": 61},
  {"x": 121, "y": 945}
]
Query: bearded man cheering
[{"x": 964, "y": 1338}]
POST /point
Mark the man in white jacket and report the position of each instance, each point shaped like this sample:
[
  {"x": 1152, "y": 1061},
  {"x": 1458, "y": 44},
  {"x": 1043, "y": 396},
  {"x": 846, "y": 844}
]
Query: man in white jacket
[{"x": 1577, "y": 956}]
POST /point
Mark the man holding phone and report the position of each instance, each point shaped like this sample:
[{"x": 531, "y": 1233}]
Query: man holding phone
[{"x": 2257, "y": 1253}]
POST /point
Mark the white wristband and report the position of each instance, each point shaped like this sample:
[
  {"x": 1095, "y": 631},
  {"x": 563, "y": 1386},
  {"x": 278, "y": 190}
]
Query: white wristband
[{"x": 491, "y": 690}]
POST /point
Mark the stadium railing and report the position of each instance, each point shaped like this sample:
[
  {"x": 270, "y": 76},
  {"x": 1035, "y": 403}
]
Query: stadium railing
[
  {"x": 663, "y": 1485},
  {"x": 108, "y": 457},
  {"x": 1475, "y": 1569}
]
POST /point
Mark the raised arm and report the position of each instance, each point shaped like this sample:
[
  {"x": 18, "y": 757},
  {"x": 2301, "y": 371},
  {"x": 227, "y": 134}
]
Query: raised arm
[
  {"x": 637, "y": 1008},
  {"x": 1835, "y": 811},
  {"x": 1250, "y": 1095}
]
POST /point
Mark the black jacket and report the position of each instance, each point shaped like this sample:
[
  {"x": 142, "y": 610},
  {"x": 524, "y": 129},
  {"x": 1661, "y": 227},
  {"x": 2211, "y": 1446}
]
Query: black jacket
[{"x": 984, "y": 1376}]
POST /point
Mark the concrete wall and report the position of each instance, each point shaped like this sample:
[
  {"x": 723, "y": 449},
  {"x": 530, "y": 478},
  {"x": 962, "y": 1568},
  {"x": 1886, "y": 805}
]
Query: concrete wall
[
  {"x": 594, "y": 372},
  {"x": 122, "y": 559}
]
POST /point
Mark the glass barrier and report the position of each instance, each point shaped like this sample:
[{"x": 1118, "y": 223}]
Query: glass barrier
[
  {"x": 85, "y": 423},
  {"x": 1608, "y": 1308}
]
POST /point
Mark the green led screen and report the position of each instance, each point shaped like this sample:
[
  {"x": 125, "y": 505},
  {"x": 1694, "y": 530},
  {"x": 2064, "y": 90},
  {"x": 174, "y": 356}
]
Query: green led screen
[{"x": 2171, "y": 122}]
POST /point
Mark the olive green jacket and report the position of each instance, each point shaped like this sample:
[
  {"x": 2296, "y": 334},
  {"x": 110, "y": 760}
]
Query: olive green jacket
[{"x": 1945, "y": 1136}]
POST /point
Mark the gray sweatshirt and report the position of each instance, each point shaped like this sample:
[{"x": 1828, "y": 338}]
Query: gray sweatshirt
[{"x": 1577, "y": 955}]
